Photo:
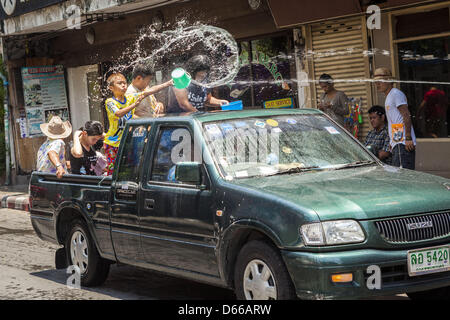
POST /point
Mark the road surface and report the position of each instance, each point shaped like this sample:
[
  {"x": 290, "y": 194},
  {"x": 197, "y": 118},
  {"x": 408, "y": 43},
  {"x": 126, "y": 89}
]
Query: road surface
[{"x": 27, "y": 272}]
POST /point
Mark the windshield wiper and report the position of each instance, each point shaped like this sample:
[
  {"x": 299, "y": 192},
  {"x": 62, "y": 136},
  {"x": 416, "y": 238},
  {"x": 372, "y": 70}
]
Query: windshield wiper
[
  {"x": 355, "y": 164},
  {"x": 295, "y": 170}
]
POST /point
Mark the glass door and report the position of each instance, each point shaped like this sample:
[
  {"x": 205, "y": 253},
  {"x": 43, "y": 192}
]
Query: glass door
[
  {"x": 96, "y": 109},
  {"x": 426, "y": 61}
]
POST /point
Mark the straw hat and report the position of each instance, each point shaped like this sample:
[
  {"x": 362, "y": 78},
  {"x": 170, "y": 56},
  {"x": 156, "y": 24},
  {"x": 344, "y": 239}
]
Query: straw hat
[
  {"x": 56, "y": 128},
  {"x": 382, "y": 74}
]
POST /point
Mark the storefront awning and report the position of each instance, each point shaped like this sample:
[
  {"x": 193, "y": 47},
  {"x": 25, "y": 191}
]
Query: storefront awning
[
  {"x": 52, "y": 15},
  {"x": 292, "y": 12},
  {"x": 287, "y": 13}
]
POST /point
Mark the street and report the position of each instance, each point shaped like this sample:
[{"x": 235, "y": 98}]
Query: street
[{"x": 28, "y": 272}]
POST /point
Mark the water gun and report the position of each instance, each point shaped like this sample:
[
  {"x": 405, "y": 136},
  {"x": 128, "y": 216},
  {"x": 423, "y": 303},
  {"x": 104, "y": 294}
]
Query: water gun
[
  {"x": 358, "y": 112},
  {"x": 355, "y": 131},
  {"x": 357, "y": 117},
  {"x": 349, "y": 118}
]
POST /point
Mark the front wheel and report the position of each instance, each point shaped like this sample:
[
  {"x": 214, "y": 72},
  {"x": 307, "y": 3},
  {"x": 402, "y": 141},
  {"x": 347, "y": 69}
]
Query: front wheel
[
  {"x": 260, "y": 274},
  {"x": 81, "y": 252}
]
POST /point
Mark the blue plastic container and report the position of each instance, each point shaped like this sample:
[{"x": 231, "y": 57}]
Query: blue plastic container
[{"x": 235, "y": 105}]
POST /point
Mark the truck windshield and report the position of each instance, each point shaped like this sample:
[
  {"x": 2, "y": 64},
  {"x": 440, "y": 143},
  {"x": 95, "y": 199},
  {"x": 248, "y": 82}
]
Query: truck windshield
[{"x": 243, "y": 148}]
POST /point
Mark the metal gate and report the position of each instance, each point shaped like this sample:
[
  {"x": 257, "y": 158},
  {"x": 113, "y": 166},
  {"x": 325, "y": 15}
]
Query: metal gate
[{"x": 340, "y": 49}]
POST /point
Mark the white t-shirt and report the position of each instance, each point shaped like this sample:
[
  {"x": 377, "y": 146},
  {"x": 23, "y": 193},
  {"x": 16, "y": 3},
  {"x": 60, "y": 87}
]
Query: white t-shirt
[{"x": 394, "y": 99}]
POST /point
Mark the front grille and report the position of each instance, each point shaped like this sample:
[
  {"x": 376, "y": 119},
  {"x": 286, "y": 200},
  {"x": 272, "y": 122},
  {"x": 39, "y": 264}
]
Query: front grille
[{"x": 396, "y": 230}]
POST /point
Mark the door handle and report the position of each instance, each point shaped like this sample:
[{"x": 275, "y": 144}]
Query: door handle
[
  {"x": 126, "y": 191},
  {"x": 149, "y": 204}
]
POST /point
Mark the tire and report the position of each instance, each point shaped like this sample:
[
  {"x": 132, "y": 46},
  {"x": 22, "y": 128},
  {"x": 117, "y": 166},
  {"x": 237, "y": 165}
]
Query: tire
[
  {"x": 434, "y": 294},
  {"x": 81, "y": 251},
  {"x": 260, "y": 274}
]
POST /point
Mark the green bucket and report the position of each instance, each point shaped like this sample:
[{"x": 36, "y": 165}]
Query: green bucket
[{"x": 181, "y": 79}]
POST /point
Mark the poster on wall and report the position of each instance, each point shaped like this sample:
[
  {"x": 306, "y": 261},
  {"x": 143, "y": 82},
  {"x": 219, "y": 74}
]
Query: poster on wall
[{"x": 44, "y": 90}]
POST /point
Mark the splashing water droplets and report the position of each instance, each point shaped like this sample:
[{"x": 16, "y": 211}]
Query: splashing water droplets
[{"x": 170, "y": 49}]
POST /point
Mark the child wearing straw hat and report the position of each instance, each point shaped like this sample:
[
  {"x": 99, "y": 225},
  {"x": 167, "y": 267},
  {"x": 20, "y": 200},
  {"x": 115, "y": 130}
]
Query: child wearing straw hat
[{"x": 51, "y": 154}]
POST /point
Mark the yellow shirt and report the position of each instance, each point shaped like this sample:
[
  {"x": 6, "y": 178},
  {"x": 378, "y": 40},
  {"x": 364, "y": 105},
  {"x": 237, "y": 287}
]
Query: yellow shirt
[{"x": 116, "y": 124}]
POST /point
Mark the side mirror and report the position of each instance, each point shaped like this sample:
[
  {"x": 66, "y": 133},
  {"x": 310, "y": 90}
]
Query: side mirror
[
  {"x": 189, "y": 172},
  {"x": 373, "y": 149}
]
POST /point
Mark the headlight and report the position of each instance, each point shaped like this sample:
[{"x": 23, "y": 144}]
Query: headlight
[
  {"x": 313, "y": 233},
  {"x": 332, "y": 232}
]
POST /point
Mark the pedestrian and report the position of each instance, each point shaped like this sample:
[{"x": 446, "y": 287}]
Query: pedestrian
[
  {"x": 83, "y": 156},
  {"x": 51, "y": 154},
  {"x": 333, "y": 102},
  {"x": 401, "y": 131},
  {"x": 434, "y": 111},
  {"x": 195, "y": 96},
  {"x": 378, "y": 138},
  {"x": 149, "y": 106},
  {"x": 120, "y": 108}
]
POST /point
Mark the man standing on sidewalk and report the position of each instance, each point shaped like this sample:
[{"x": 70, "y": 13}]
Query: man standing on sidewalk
[{"x": 401, "y": 131}]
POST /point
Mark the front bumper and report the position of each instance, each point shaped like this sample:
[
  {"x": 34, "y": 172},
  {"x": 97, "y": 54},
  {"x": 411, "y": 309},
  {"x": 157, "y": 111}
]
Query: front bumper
[{"x": 311, "y": 273}]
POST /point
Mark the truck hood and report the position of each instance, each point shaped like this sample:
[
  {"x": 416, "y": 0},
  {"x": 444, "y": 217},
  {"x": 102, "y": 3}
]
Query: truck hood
[{"x": 361, "y": 193}]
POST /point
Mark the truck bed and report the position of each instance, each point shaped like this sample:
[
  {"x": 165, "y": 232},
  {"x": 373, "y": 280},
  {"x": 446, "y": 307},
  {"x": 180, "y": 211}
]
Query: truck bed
[{"x": 50, "y": 197}]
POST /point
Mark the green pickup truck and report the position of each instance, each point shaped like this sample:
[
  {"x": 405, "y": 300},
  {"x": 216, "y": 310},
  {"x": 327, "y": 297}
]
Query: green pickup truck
[{"x": 274, "y": 204}]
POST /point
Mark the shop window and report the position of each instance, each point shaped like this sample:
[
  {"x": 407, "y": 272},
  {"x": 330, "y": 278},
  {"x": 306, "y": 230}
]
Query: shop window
[
  {"x": 265, "y": 72},
  {"x": 426, "y": 63}
]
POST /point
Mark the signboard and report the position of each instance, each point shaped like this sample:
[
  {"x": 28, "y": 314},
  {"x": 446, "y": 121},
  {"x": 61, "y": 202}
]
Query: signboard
[
  {"x": 279, "y": 103},
  {"x": 12, "y": 8},
  {"x": 44, "y": 91}
]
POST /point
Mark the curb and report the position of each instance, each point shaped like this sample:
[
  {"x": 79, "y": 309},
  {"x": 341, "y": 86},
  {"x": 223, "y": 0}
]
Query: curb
[{"x": 18, "y": 202}]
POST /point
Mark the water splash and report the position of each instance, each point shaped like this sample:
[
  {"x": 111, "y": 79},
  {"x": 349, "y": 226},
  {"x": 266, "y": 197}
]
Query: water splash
[
  {"x": 307, "y": 82},
  {"x": 170, "y": 49}
]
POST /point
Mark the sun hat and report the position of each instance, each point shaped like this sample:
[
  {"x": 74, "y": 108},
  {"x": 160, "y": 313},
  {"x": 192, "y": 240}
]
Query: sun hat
[
  {"x": 382, "y": 73},
  {"x": 56, "y": 128}
]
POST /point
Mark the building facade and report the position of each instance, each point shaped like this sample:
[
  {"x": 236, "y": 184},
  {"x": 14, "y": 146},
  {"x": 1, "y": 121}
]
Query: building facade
[
  {"x": 350, "y": 39},
  {"x": 284, "y": 46}
]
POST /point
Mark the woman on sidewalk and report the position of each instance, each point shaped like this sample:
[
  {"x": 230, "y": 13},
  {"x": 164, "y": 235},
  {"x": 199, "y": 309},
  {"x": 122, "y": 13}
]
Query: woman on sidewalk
[{"x": 333, "y": 102}]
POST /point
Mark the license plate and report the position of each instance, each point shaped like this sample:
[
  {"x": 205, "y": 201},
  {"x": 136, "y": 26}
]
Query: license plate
[{"x": 428, "y": 260}]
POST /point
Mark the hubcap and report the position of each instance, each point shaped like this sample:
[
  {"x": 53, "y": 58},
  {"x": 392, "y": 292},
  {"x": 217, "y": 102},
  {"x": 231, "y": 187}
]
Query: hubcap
[
  {"x": 79, "y": 251},
  {"x": 259, "y": 283}
]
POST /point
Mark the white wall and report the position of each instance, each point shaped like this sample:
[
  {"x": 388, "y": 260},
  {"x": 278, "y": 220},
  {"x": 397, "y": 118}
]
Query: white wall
[{"x": 78, "y": 95}]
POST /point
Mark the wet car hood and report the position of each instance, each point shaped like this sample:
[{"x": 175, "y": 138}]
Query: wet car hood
[{"x": 368, "y": 192}]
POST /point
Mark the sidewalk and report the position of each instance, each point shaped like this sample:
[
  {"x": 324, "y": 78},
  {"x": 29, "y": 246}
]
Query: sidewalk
[{"x": 15, "y": 197}]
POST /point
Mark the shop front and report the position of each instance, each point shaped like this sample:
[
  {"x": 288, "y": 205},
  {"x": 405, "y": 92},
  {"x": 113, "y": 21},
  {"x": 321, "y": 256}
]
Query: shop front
[
  {"x": 279, "y": 45},
  {"x": 412, "y": 40},
  {"x": 266, "y": 79},
  {"x": 267, "y": 67},
  {"x": 419, "y": 41}
]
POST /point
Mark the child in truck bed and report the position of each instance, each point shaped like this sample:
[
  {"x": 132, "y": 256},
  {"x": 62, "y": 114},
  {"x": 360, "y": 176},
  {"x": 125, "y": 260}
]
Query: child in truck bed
[
  {"x": 50, "y": 157},
  {"x": 120, "y": 109}
]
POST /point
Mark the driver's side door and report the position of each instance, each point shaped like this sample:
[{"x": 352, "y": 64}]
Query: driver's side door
[{"x": 177, "y": 219}]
